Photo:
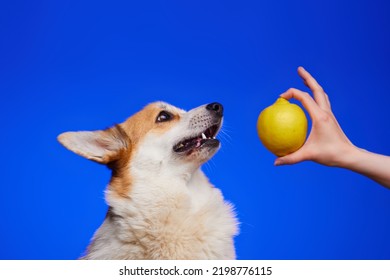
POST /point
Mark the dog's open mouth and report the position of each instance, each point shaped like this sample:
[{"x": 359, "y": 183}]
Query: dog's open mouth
[{"x": 206, "y": 138}]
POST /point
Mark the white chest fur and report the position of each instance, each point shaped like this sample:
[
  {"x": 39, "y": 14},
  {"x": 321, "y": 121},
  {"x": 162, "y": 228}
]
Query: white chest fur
[{"x": 170, "y": 221}]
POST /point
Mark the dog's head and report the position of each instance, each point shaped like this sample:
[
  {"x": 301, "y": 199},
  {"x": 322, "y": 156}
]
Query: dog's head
[{"x": 158, "y": 136}]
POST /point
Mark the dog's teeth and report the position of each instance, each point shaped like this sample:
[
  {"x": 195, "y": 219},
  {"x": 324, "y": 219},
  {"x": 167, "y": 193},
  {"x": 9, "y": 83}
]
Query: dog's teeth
[{"x": 204, "y": 136}]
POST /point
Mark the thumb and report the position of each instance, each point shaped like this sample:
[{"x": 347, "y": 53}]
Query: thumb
[{"x": 289, "y": 159}]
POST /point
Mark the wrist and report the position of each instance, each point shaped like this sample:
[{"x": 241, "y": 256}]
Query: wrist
[{"x": 349, "y": 157}]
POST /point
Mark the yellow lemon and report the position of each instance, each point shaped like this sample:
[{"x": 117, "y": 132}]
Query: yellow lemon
[{"x": 282, "y": 127}]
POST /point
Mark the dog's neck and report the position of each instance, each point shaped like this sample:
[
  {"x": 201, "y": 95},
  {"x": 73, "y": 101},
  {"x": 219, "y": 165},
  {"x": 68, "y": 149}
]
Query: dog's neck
[
  {"x": 162, "y": 170},
  {"x": 156, "y": 186}
]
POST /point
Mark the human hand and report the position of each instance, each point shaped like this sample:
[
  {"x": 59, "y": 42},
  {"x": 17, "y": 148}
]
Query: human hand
[{"x": 327, "y": 144}]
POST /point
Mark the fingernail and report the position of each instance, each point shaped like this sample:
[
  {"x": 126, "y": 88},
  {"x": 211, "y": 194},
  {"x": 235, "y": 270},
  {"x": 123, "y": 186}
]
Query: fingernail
[{"x": 278, "y": 162}]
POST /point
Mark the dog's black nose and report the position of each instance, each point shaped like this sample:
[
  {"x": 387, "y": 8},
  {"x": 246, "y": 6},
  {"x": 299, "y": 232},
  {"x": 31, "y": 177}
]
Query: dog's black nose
[{"x": 216, "y": 107}]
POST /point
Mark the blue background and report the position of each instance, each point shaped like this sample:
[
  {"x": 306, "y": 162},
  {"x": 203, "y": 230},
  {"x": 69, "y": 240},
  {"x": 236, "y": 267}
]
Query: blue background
[{"x": 84, "y": 65}]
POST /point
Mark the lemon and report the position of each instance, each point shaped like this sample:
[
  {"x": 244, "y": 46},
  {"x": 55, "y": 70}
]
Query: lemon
[{"x": 282, "y": 127}]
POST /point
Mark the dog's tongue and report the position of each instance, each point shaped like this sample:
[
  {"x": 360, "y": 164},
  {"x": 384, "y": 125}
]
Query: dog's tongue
[{"x": 198, "y": 142}]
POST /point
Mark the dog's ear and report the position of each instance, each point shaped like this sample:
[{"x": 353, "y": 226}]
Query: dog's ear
[{"x": 102, "y": 146}]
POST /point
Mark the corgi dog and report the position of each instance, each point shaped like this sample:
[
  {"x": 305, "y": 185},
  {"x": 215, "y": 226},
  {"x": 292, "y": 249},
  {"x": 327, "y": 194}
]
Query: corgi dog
[{"x": 161, "y": 204}]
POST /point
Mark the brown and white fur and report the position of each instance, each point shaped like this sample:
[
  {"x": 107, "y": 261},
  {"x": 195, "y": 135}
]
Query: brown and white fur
[{"x": 161, "y": 205}]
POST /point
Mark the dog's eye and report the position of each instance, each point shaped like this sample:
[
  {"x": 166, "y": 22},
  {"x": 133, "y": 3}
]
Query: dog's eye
[{"x": 164, "y": 116}]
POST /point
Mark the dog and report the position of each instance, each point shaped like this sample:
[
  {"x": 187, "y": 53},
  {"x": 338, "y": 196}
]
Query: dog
[{"x": 160, "y": 203}]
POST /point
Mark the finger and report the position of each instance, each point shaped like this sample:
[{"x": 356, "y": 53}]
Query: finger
[
  {"x": 328, "y": 101},
  {"x": 293, "y": 158},
  {"x": 309, "y": 80},
  {"x": 305, "y": 98},
  {"x": 318, "y": 92}
]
